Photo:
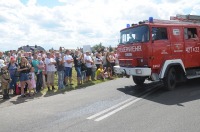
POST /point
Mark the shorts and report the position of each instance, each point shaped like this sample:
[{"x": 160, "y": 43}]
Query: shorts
[
  {"x": 68, "y": 71},
  {"x": 78, "y": 70},
  {"x": 23, "y": 77},
  {"x": 88, "y": 72},
  {"x": 50, "y": 77}
]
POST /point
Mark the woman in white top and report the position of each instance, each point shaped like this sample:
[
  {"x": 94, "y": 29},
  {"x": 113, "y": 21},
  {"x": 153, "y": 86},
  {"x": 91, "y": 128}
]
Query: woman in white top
[
  {"x": 98, "y": 60},
  {"x": 112, "y": 61},
  {"x": 88, "y": 63},
  {"x": 50, "y": 69}
]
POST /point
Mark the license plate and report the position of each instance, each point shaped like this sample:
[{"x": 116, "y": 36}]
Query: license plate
[{"x": 128, "y": 54}]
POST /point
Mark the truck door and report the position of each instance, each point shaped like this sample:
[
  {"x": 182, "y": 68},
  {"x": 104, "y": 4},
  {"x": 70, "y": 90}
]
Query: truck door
[
  {"x": 160, "y": 46},
  {"x": 192, "y": 47},
  {"x": 177, "y": 42}
]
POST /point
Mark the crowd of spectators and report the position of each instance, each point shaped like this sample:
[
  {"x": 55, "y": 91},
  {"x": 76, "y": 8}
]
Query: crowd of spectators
[{"x": 33, "y": 71}]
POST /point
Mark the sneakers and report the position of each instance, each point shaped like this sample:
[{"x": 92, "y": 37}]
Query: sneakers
[{"x": 22, "y": 95}]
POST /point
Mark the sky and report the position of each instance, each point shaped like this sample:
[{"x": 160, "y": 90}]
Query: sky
[{"x": 74, "y": 23}]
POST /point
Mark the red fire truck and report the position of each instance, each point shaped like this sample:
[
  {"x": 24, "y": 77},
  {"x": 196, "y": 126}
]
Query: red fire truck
[{"x": 161, "y": 50}]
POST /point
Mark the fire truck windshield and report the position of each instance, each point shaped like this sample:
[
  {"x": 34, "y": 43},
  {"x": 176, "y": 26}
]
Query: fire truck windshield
[{"x": 134, "y": 35}]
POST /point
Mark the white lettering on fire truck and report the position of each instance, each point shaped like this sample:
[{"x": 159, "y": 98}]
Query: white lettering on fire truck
[
  {"x": 156, "y": 66},
  {"x": 177, "y": 48},
  {"x": 192, "y": 49},
  {"x": 130, "y": 49},
  {"x": 164, "y": 52}
]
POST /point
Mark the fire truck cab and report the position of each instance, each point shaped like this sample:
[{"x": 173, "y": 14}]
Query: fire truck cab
[{"x": 161, "y": 50}]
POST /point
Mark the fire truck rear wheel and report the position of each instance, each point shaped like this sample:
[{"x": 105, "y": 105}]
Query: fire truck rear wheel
[
  {"x": 138, "y": 80},
  {"x": 170, "y": 79}
]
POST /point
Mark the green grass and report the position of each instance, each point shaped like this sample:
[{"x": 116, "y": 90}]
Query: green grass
[{"x": 45, "y": 91}]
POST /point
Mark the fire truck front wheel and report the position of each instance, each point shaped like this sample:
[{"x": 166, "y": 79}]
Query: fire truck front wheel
[
  {"x": 170, "y": 79},
  {"x": 138, "y": 80}
]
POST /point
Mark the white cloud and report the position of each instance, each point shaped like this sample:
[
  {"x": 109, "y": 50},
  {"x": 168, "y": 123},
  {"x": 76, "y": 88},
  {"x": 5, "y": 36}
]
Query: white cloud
[{"x": 80, "y": 22}]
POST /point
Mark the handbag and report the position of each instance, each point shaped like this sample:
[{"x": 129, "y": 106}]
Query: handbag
[{"x": 83, "y": 67}]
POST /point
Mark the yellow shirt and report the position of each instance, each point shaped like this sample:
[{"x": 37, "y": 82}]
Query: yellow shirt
[{"x": 99, "y": 71}]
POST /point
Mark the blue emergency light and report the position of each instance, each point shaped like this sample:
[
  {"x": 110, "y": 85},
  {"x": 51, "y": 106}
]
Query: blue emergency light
[
  {"x": 150, "y": 19},
  {"x": 127, "y": 25}
]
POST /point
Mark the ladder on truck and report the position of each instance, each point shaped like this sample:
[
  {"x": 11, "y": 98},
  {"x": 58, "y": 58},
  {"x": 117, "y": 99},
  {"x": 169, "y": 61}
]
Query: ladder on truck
[
  {"x": 186, "y": 18},
  {"x": 179, "y": 19}
]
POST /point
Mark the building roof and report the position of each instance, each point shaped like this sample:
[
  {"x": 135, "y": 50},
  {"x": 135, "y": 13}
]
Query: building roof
[{"x": 31, "y": 48}]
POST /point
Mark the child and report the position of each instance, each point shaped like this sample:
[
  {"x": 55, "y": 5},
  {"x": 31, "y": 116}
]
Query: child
[
  {"x": 41, "y": 64},
  {"x": 32, "y": 79},
  {"x": 5, "y": 80},
  {"x": 100, "y": 73}
]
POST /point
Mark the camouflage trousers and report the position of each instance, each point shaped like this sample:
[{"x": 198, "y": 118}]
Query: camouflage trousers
[{"x": 5, "y": 87}]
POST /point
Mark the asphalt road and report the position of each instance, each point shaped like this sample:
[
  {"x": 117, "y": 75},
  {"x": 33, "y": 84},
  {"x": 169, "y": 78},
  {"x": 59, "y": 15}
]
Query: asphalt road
[{"x": 113, "y": 106}]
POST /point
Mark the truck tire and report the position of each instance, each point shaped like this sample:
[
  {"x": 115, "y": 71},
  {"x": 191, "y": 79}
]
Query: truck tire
[
  {"x": 138, "y": 80},
  {"x": 170, "y": 79}
]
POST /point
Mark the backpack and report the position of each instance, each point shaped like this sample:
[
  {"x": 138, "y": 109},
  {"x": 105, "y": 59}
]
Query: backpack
[
  {"x": 10, "y": 65},
  {"x": 17, "y": 73}
]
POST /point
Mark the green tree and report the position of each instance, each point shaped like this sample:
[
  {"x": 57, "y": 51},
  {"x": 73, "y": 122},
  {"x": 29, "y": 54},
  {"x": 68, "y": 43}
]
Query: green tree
[
  {"x": 98, "y": 47},
  {"x": 110, "y": 48}
]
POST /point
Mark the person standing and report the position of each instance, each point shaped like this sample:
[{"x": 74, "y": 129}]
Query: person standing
[
  {"x": 12, "y": 67},
  {"x": 98, "y": 60},
  {"x": 24, "y": 69},
  {"x": 60, "y": 69},
  {"x": 5, "y": 80},
  {"x": 88, "y": 63},
  {"x": 7, "y": 58},
  {"x": 68, "y": 67},
  {"x": 30, "y": 57},
  {"x": 50, "y": 69},
  {"x": 38, "y": 73},
  {"x": 94, "y": 68},
  {"x": 116, "y": 58},
  {"x": 83, "y": 69},
  {"x": 112, "y": 62},
  {"x": 18, "y": 59},
  {"x": 77, "y": 64},
  {"x": 108, "y": 68},
  {"x": 2, "y": 56}
]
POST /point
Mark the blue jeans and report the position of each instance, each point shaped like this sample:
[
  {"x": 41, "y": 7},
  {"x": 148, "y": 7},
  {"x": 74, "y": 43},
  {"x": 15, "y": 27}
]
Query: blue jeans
[
  {"x": 93, "y": 73},
  {"x": 78, "y": 70},
  {"x": 68, "y": 71},
  {"x": 39, "y": 81},
  {"x": 61, "y": 79},
  {"x": 83, "y": 75},
  {"x": 13, "y": 82}
]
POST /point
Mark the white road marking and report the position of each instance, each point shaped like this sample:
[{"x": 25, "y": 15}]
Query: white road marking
[
  {"x": 113, "y": 107},
  {"x": 124, "y": 106},
  {"x": 116, "y": 107}
]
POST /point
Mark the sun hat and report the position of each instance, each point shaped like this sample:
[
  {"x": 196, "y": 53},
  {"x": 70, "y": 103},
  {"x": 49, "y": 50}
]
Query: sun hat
[{"x": 2, "y": 63}]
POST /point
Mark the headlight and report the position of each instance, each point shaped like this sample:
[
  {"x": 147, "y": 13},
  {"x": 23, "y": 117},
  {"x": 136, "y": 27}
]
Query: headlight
[{"x": 138, "y": 71}]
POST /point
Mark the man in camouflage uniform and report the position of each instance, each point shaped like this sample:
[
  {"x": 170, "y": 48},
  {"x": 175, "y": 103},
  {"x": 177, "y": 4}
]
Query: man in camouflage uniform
[{"x": 5, "y": 80}]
